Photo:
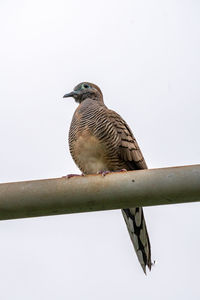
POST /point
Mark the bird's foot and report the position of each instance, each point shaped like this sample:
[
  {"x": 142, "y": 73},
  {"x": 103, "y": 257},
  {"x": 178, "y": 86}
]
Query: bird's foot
[
  {"x": 122, "y": 170},
  {"x": 72, "y": 175},
  {"x": 104, "y": 173}
]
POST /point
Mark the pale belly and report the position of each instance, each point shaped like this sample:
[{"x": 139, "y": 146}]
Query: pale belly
[{"x": 90, "y": 155}]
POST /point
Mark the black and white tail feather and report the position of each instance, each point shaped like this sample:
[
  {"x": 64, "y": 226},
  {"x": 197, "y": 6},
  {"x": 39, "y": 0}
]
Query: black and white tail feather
[{"x": 136, "y": 225}]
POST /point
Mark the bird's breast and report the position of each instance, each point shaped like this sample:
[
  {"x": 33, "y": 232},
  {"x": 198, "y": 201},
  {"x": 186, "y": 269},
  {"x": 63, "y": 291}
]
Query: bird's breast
[{"x": 89, "y": 153}]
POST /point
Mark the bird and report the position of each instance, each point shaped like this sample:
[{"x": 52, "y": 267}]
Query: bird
[{"x": 100, "y": 141}]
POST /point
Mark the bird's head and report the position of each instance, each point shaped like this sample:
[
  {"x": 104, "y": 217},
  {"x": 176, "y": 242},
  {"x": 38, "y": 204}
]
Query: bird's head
[{"x": 85, "y": 90}]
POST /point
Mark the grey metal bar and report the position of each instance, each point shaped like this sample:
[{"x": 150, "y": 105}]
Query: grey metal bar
[{"x": 95, "y": 192}]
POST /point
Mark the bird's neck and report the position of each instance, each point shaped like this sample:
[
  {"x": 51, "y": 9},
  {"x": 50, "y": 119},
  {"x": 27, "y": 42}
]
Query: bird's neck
[
  {"x": 88, "y": 103},
  {"x": 93, "y": 98}
]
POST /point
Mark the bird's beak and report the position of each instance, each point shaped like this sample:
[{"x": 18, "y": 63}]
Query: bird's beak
[
  {"x": 72, "y": 94},
  {"x": 69, "y": 95}
]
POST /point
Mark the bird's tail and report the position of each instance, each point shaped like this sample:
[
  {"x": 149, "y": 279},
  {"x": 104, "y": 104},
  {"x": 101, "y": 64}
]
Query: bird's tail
[{"x": 136, "y": 225}]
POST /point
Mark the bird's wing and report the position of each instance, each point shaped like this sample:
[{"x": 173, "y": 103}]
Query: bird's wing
[{"x": 130, "y": 152}]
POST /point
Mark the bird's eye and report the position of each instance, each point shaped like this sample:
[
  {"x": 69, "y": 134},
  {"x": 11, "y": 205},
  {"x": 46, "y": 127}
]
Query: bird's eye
[{"x": 85, "y": 86}]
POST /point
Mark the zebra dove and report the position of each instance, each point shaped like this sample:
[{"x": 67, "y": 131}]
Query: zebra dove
[{"x": 100, "y": 141}]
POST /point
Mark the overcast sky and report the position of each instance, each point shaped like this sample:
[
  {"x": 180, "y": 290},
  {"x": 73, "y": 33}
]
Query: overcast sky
[{"x": 144, "y": 55}]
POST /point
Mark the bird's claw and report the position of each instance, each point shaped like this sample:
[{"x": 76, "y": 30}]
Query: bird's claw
[
  {"x": 103, "y": 173},
  {"x": 72, "y": 175},
  {"x": 122, "y": 170}
]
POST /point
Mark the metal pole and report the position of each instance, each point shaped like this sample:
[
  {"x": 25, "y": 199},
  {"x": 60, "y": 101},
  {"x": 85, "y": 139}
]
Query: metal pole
[{"x": 95, "y": 192}]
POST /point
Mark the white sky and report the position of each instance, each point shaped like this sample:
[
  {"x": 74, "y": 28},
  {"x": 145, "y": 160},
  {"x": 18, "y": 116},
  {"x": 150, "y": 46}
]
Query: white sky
[{"x": 144, "y": 55}]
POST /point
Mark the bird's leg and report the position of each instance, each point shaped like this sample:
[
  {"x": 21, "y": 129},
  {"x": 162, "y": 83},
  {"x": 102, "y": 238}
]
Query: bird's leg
[
  {"x": 104, "y": 173},
  {"x": 122, "y": 170},
  {"x": 72, "y": 175}
]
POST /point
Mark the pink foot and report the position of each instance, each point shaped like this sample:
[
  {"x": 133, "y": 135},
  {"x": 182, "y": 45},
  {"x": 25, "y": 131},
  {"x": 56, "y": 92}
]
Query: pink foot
[
  {"x": 71, "y": 175},
  {"x": 122, "y": 170},
  {"x": 104, "y": 173}
]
